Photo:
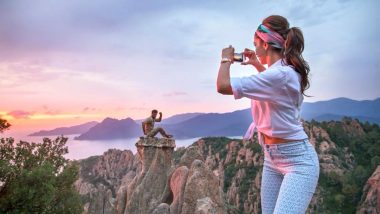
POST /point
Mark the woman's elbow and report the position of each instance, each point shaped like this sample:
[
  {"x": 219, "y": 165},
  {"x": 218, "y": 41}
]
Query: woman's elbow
[
  {"x": 225, "y": 90},
  {"x": 220, "y": 90}
]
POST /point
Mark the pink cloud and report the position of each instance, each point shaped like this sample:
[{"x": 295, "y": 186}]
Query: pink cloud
[
  {"x": 20, "y": 114},
  {"x": 21, "y": 73},
  {"x": 52, "y": 112},
  {"x": 86, "y": 109},
  {"x": 47, "y": 110},
  {"x": 138, "y": 109},
  {"x": 174, "y": 94}
]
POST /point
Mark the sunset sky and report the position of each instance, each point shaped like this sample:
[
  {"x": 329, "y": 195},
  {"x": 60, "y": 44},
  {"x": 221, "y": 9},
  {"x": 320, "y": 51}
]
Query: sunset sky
[{"x": 68, "y": 62}]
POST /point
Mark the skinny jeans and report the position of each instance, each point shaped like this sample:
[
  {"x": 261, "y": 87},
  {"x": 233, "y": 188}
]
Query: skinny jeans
[{"x": 290, "y": 176}]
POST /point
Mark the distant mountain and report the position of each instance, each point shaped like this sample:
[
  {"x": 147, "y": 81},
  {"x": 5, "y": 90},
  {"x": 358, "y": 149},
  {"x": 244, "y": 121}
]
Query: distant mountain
[
  {"x": 342, "y": 106},
  {"x": 213, "y": 124},
  {"x": 329, "y": 117},
  {"x": 111, "y": 128},
  {"x": 233, "y": 123},
  {"x": 78, "y": 129},
  {"x": 210, "y": 124},
  {"x": 178, "y": 118}
]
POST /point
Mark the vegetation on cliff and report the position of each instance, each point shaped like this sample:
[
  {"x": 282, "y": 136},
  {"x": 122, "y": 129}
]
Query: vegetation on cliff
[
  {"x": 342, "y": 193},
  {"x": 36, "y": 178},
  {"x": 352, "y": 156}
]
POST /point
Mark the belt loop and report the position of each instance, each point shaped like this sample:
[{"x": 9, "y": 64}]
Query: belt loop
[{"x": 305, "y": 144}]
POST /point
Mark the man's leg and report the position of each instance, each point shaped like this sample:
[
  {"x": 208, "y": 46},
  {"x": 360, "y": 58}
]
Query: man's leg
[
  {"x": 163, "y": 133},
  {"x": 156, "y": 130},
  {"x": 152, "y": 133}
]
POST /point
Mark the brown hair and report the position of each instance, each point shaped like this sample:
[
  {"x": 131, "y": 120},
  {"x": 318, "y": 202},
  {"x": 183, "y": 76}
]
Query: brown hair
[{"x": 294, "y": 45}]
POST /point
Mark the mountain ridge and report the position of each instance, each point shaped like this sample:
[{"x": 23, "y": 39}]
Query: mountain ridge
[
  {"x": 111, "y": 128},
  {"x": 76, "y": 129},
  {"x": 235, "y": 123}
]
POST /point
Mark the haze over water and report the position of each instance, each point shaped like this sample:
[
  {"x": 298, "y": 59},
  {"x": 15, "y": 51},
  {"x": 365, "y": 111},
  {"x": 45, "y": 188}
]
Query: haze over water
[{"x": 79, "y": 149}]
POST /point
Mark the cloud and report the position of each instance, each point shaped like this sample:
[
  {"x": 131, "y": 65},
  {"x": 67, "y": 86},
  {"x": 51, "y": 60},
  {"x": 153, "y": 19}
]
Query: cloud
[
  {"x": 52, "y": 112},
  {"x": 17, "y": 92},
  {"x": 48, "y": 111},
  {"x": 186, "y": 27},
  {"x": 138, "y": 108},
  {"x": 175, "y": 94},
  {"x": 87, "y": 109},
  {"x": 315, "y": 12},
  {"x": 105, "y": 52},
  {"x": 20, "y": 114},
  {"x": 74, "y": 26},
  {"x": 14, "y": 74}
]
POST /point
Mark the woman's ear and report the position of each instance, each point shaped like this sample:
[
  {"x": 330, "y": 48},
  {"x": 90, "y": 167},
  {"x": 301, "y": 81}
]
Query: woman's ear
[{"x": 266, "y": 46}]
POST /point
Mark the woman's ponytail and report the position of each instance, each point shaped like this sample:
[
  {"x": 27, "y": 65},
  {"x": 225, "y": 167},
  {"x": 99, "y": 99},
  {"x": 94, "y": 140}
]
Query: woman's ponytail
[{"x": 294, "y": 45}]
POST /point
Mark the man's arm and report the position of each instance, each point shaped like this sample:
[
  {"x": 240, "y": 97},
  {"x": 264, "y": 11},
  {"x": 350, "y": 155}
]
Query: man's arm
[{"x": 159, "y": 119}]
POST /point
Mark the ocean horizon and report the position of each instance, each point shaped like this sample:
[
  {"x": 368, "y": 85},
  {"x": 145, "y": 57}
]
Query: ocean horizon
[{"x": 81, "y": 149}]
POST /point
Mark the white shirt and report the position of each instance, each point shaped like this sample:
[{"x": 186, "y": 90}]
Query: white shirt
[{"x": 276, "y": 101}]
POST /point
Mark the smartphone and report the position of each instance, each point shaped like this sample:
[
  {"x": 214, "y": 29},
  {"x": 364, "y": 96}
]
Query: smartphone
[{"x": 239, "y": 57}]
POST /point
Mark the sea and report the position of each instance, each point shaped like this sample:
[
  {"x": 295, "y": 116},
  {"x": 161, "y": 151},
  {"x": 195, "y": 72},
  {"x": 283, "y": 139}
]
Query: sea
[{"x": 80, "y": 149}]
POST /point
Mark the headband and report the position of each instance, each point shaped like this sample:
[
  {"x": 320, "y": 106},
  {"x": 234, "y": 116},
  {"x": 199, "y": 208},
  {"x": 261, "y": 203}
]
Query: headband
[{"x": 271, "y": 37}]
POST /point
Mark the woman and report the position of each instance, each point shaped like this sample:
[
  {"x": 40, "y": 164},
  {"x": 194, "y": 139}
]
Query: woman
[{"x": 291, "y": 166}]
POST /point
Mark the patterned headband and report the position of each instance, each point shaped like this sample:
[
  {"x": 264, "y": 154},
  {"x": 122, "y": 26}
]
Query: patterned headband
[{"x": 271, "y": 37}]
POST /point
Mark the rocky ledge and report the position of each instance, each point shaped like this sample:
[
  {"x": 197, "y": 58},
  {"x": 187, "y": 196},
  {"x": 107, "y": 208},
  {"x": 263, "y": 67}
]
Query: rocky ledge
[
  {"x": 370, "y": 202},
  {"x": 150, "y": 187},
  {"x": 161, "y": 187},
  {"x": 155, "y": 142}
]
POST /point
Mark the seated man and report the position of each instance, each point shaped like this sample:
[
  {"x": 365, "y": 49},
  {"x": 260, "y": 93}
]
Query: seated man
[{"x": 148, "y": 126}]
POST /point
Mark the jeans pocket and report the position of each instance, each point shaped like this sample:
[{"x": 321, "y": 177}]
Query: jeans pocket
[{"x": 297, "y": 148}]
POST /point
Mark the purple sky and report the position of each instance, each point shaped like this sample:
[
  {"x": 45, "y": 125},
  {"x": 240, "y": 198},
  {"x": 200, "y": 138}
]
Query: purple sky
[{"x": 65, "y": 62}]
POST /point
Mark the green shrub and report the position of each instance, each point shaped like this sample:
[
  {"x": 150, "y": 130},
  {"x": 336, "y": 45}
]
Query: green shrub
[{"x": 36, "y": 178}]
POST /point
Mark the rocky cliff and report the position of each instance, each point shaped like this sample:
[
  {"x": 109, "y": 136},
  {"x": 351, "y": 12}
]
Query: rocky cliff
[
  {"x": 149, "y": 188},
  {"x": 101, "y": 177},
  {"x": 222, "y": 175},
  {"x": 149, "y": 182},
  {"x": 370, "y": 202}
]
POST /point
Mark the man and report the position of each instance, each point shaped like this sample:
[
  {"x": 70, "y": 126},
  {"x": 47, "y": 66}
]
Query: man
[{"x": 148, "y": 126}]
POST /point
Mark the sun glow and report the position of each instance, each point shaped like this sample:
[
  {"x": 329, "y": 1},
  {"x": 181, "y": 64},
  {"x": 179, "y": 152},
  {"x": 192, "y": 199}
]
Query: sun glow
[
  {"x": 6, "y": 116},
  {"x": 36, "y": 121},
  {"x": 62, "y": 116}
]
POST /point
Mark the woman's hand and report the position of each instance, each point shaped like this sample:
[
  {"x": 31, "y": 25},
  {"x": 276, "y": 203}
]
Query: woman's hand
[
  {"x": 223, "y": 83},
  {"x": 228, "y": 53},
  {"x": 252, "y": 58}
]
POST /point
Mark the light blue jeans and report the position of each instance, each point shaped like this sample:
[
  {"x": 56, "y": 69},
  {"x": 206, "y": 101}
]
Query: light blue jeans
[{"x": 290, "y": 176}]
